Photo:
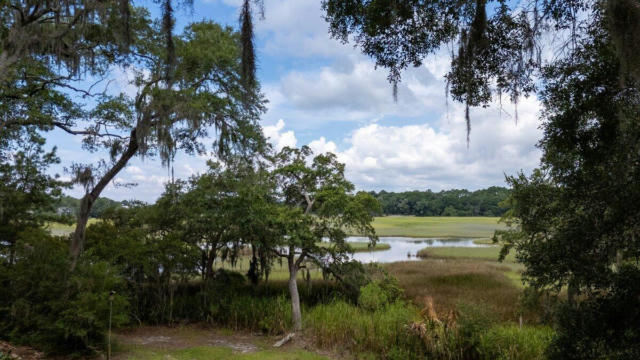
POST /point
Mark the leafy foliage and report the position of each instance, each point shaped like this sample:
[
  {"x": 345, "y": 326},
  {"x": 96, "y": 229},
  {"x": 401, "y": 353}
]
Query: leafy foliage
[
  {"x": 27, "y": 193},
  {"x": 46, "y": 306},
  {"x": 574, "y": 222},
  {"x": 499, "y": 43},
  {"x": 602, "y": 327},
  {"x": 319, "y": 205},
  {"x": 484, "y": 202}
]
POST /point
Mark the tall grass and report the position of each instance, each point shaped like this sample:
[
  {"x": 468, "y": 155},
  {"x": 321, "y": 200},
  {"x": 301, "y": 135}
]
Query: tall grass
[
  {"x": 488, "y": 253},
  {"x": 450, "y": 282},
  {"x": 270, "y": 315},
  {"x": 400, "y": 331},
  {"x": 343, "y": 326},
  {"x": 509, "y": 342}
]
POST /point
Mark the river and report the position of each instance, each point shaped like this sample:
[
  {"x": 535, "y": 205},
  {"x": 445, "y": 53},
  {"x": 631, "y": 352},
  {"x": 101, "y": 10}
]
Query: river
[{"x": 405, "y": 249}]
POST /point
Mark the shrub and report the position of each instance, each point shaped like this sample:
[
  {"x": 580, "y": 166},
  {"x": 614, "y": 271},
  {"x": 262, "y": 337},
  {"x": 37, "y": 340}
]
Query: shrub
[
  {"x": 372, "y": 297},
  {"x": 44, "y": 305},
  {"x": 382, "y": 290}
]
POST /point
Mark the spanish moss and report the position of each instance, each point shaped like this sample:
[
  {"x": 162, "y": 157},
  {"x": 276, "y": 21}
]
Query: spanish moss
[
  {"x": 248, "y": 49},
  {"x": 167, "y": 28}
]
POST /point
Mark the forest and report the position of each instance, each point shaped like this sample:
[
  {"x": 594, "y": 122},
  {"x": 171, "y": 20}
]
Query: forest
[
  {"x": 485, "y": 202},
  {"x": 272, "y": 250}
]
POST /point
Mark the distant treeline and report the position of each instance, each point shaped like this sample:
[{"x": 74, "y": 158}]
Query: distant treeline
[
  {"x": 69, "y": 205},
  {"x": 485, "y": 202}
]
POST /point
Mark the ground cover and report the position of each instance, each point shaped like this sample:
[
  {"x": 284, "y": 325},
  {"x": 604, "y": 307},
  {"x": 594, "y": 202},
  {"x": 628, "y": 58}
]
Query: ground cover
[
  {"x": 451, "y": 282},
  {"x": 488, "y": 253},
  {"x": 200, "y": 342},
  {"x": 436, "y": 226}
]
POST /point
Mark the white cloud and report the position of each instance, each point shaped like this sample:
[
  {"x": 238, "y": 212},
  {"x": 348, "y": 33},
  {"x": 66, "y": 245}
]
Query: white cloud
[
  {"x": 296, "y": 28},
  {"x": 436, "y": 156},
  {"x": 279, "y": 139},
  {"x": 133, "y": 170},
  {"x": 323, "y": 146}
]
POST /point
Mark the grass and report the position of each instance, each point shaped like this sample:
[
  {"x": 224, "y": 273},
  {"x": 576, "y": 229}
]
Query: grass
[
  {"x": 341, "y": 326},
  {"x": 436, "y": 226},
  {"x": 214, "y": 352},
  {"x": 489, "y": 253},
  {"x": 361, "y": 246},
  {"x": 514, "y": 343},
  {"x": 485, "y": 241},
  {"x": 453, "y": 281},
  {"x": 59, "y": 229},
  {"x": 279, "y": 271}
]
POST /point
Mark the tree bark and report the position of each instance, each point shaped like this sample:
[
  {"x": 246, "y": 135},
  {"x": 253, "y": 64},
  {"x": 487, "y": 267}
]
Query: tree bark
[
  {"x": 77, "y": 239},
  {"x": 296, "y": 314}
]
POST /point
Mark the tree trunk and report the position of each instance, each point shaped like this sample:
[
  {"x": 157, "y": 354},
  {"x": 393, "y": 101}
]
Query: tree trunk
[
  {"x": 77, "y": 239},
  {"x": 572, "y": 292},
  {"x": 210, "y": 258},
  {"x": 296, "y": 315}
]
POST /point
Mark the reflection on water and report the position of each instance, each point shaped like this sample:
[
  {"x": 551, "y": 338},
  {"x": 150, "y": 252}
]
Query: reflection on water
[{"x": 405, "y": 249}]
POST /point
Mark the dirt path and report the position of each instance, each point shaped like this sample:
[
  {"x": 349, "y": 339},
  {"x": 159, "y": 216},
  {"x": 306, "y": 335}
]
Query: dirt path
[
  {"x": 190, "y": 336},
  {"x": 163, "y": 337},
  {"x": 20, "y": 352}
]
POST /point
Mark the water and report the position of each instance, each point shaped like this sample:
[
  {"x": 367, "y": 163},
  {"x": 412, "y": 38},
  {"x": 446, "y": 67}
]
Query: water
[{"x": 402, "y": 247}]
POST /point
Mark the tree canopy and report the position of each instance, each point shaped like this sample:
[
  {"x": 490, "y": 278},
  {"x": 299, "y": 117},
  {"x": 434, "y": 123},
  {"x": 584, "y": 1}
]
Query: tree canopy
[
  {"x": 497, "y": 47},
  {"x": 484, "y": 202},
  {"x": 575, "y": 220}
]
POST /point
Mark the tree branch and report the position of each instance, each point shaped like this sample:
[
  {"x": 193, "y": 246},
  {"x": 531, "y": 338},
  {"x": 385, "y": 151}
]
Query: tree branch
[{"x": 85, "y": 132}]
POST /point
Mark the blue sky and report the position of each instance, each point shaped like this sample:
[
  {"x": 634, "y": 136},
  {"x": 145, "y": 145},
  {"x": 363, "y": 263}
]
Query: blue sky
[{"x": 328, "y": 95}]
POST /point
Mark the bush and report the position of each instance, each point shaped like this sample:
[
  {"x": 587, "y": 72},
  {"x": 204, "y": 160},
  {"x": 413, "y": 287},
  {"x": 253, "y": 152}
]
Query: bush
[
  {"x": 382, "y": 289},
  {"x": 46, "y": 306},
  {"x": 372, "y": 297}
]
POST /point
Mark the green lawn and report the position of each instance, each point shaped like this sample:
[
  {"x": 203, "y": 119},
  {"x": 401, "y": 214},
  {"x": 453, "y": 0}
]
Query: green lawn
[{"x": 436, "y": 226}]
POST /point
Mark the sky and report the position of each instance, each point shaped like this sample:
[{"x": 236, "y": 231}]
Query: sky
[{"x": 327, "y": 95}]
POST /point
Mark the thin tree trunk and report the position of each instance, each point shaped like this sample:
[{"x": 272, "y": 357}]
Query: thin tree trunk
[
  {"x": 572, "y": 292},
  {"x": 296, "y": 315},
  {"x": 77, "y": 240},
  {"x": 210, "y": 258}
]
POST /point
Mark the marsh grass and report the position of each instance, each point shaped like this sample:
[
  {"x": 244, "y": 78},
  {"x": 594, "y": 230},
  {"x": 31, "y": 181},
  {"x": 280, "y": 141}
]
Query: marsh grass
[
  {"x": 483, "y": 241},
  {"x": 488, "y": 253},
  {"x": 60, "y": 229},
  {"x": 400, "y": 331},
  {"x": 436, "y": 226},
  {"x": 361, "y": 246},
  {"x": 450, "y": 282},
  {"x": 341, "y": 326},
  {"x": 509, "y": 342}
]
